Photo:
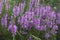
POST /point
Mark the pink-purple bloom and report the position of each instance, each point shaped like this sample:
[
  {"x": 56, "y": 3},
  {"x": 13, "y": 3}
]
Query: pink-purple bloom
[
  {"x": 47, "y": 35},
  {"x": 13, "y": 29},
  {"x": 4, "y": 20},
  {"x": 29, "y": 38},
  {"x": 16, "y": 11},
  {"x": 1, "y": 7},
  {"x": 58, "y": 18},
  {"x": 7, "y": 6}
]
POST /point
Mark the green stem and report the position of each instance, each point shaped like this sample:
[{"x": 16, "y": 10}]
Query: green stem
[
  {"x": 13, "y": 37},
  {"x": 18, "y": 33},
  {"x": 35, "y": 37},
  {"x": 43, "y": 1}
]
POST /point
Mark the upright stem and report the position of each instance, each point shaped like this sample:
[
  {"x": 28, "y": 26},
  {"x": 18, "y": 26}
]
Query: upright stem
[
  {"x": 18, "y": 33},
  {"x": 22, "y": 37},
  {"x": 14, "y": 37},
  {"x": 43, "y": 1}
]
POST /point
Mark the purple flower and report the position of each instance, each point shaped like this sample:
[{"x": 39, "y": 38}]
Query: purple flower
[
  {"x": 26, "y": 25},
  {"x": 30, "y": 38},
  {"x": 23, "y": 18},
  {"x": 7, "y": 6},
  {"x": 37, "y": 11},
  {"x": 41, "y": 28},
  {"x": 36, "y": 21},
  {"x": 31, "y": 4},
  {"x": 49, "y": 23},
  {"x": 13, "y": 29},
  {"x": 0, "y": 7},
  {"x": 55, "y": 27},
  {"x": 37, "y": 3},
  {"x": 58, "y": 21},
  {"x": 19, "y": 20},
  {"x": 24, "y": 22},
  {"x": 29, "y": 15},
  {"x": 21, "y": 7},
  {"x": 4, "y": 1},
  {"x": 48, "y": 8},
  {"x": 16, "y": 11},
  {"x": 53, "y": 31},
  {"x": 53, "y": 15},
  {"x": 42, "y": 22},
  {"x": 58, "y": 18},
  {"x": 47, "y": 35},
  {"x": 58, "y": 15},
  {"x": 4, "y": 20}
]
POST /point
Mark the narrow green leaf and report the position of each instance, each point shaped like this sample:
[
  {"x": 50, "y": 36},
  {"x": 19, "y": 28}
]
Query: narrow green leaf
[{"x": 35, "y": 37}]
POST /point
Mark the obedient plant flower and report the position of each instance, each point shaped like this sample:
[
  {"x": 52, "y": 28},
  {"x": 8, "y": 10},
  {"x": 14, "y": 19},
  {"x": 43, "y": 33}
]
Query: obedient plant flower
[
  {"x": 4, "y": 20},
  {"x": 29, "y": 15},
  {"x": 19, "y": 20},
  {"x": 24, "y": 22},
  {"x": 36, "y": 22},
  {"x": 1, "y": 7},
  {"x": 7, "y": 6},
  {"x": 31, "y": 4},
  {"x": 58, "y": 18},
  {"x": 48, "y": 8},
  {"x": 41, "y": 28},
  {"x": 53, "y": 31},
  {"x": 26, "y": 19},
  {"x": 47, "y": 35},
  {"x": 21, "y": 7},
  {"x": 37, "y": 3},
  {"x": 58, "y": 15},
  {"x": 49, "y": 23},
  {"x": 16, "y": 11},
  {"x": 58, "y": 22},
  {"x": 30, "y": 38},
  {"x": 55, "y": 27},
  {"x": 52, "y": 15},
  {"x": 4, "y": 1},
  {"x": 13, "y": 29}
]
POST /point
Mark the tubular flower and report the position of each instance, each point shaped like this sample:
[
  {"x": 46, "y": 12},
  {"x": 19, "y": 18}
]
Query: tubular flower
[
  {"x": 0, "y": 7},
  {"x": 13, "y": 29},
  {"x": 16, "y": 10},
  {"x": 4, "y": 20}
]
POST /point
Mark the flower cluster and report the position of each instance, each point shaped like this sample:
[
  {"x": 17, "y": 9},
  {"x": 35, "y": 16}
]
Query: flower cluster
[{"x": 40, "y": 17}]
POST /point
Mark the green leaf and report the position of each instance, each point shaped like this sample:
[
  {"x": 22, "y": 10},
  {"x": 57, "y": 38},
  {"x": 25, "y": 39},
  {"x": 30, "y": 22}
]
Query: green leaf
[{"x": 36, "y": 38}]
